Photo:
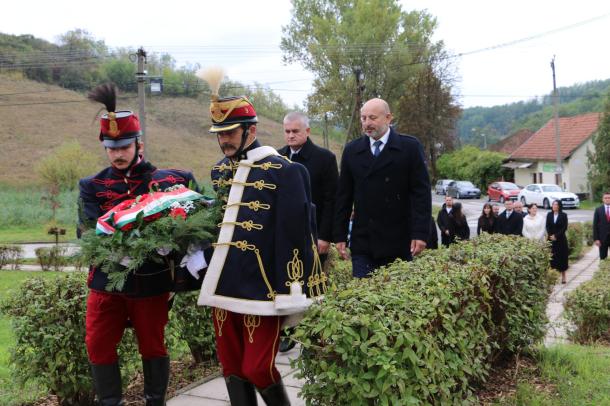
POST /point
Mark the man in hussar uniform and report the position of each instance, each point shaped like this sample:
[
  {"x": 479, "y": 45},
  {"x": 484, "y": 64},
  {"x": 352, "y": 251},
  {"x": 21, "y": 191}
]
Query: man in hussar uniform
[
  {"x": 143, "y": 300},
  {"x": 265, "y": 270}
]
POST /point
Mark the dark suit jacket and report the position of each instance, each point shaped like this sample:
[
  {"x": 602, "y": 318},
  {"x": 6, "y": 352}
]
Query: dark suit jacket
[
  {"x": 601, "y": 226},
  {"x": 390, "y": 195},
  {"x": 323, "y": 174},
  {"x": 511, "y": 226},
  {"x": 559, "y": 247},
  {"x": 442, "y": 219}
]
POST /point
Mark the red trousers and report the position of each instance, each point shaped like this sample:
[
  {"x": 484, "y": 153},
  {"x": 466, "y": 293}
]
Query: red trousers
[
  {"x": 107, "y": 317},
  {"x": 246, "y": 346}
]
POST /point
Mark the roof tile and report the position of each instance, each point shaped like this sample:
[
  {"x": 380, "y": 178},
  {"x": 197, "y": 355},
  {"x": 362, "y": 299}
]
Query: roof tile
[{"x": 573, "y": 131}]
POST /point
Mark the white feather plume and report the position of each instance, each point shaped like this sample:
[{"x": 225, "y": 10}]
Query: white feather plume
[{"x": 213, "y": 77}]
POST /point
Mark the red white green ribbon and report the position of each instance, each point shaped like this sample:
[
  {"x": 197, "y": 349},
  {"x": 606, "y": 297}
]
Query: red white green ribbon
[{"x": 150, "y": 204}]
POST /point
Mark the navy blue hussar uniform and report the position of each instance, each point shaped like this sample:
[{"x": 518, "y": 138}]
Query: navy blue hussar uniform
[
  {"x": 143, "y": 300},
  {"x": 265, "y": 270},
  {"x": 101, "y": 192}
]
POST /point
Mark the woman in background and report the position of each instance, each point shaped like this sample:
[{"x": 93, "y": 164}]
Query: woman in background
[
  {"x": 458, "y": 226},
  {"x": 534, "y": 226},
  {"x": 486, "y": 220},
  {"x": 556, "y": 227}
]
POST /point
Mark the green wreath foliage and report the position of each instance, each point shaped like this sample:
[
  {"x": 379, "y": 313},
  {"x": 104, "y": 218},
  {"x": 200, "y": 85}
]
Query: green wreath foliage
[{"x": 142, "y": 243}]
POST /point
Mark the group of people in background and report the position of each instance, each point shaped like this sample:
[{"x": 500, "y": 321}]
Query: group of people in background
[{"x": 512, "y": 221}]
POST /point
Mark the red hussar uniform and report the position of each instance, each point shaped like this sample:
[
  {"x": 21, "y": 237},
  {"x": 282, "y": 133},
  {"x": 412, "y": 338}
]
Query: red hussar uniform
[{"x": 143, "y": 300}]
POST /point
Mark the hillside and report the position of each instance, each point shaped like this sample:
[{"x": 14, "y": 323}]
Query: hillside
[
  {"x": 35, "y": 118},
  {"x": 498, "y": 122}
]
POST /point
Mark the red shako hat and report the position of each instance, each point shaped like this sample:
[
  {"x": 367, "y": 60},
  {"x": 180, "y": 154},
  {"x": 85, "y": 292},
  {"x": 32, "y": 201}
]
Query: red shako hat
[{"x": 117, "y": 128}]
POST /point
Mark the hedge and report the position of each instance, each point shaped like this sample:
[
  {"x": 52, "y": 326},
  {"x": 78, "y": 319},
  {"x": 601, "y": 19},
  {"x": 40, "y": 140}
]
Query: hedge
[
  {"x": 425, "y": 331},
  {"x": 576, "y": 237},
  {"x": 10, "y": 255},
  {"x": 588, "y": 308},
  {"x": 48, "y": 322}
]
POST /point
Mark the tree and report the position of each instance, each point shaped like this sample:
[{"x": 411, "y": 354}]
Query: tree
[
  {"x": 428, "y": 110},
  {"x": 358, "y": 49},
  {"x": 599, "y": 159},
  {"x": 470, "y": 163},
  {"x": 62, "y": 169},
  {"x": 80, "y": 56}
]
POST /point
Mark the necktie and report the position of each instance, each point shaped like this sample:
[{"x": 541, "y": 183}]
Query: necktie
[
  {"x": 608, "y": 213},
  {"x": 294, "y": 156},
  {"x": 377, "y": 150}
]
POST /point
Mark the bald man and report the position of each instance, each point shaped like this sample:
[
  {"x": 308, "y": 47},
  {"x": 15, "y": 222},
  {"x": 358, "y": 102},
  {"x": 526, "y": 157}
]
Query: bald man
[{"x": 384, "y": 178}]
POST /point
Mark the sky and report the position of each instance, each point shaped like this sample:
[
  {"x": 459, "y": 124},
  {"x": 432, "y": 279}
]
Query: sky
[{"x": 243, "y": 37}]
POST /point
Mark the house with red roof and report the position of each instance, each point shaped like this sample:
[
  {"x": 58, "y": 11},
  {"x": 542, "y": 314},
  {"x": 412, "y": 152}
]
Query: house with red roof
[{"x": 534, "y": 161}]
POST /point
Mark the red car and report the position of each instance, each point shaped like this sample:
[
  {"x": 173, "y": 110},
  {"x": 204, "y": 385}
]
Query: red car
[{"x": 502, "y": 191}]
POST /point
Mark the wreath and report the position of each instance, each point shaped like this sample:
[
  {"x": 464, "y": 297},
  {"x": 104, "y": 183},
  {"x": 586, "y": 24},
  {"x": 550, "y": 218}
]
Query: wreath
[{"x": 159, "y": 227}]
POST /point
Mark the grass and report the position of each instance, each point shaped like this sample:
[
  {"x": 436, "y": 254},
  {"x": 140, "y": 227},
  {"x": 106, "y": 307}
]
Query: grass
[
  {"x": 588, "y": 204},
  {"x": 580, "y": 375},
  {"x": 11, "y": 393},
  {"x": 29, "y": 234}
]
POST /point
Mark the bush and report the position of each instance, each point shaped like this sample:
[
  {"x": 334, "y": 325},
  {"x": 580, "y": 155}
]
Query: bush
[
  {"x": 51, "y": 259},
  {"x": 588, "y": 232},
  {"x": 10, "y": 255},
  {"x": 576, "y": 237},
  {"x": 588, "y": 308},
  {"x": 48, "y": 322},
  {"x": 65, "y": 166},
  {"x": 425, "y": 331},
  {"x": 194, "y": 325}
]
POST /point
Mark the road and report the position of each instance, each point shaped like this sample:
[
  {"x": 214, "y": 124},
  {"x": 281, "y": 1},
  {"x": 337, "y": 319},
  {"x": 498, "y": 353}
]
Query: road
[{"x": 473, "y": 207}]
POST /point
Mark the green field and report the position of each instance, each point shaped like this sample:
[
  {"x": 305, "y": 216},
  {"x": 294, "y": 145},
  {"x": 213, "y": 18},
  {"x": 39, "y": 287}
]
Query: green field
[{"x": 10, "y": 393}]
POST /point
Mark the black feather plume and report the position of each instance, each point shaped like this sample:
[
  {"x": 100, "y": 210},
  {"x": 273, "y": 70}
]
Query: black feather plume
[{"x": 105, "y": 94}]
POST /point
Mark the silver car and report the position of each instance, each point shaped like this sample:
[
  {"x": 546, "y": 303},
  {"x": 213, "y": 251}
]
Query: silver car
[{"x": 441, "y": 186}]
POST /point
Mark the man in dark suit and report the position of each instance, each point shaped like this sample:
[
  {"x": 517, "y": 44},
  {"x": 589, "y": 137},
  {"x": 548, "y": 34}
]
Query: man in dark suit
[
  {"x": 442, "y": 219},
  {"x": 601, "y": 226},
  {"x": 323, "y": 173},
  {"x": 509, "y": 222},
  {"x": 385, "y": 179}
]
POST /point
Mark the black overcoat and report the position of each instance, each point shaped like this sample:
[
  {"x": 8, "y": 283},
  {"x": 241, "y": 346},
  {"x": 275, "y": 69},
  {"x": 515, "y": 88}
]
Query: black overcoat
[
  {"x": 323, "y": 176},
  {"x": 560, "y": 249},
  {"x": 390, "y": 194}
]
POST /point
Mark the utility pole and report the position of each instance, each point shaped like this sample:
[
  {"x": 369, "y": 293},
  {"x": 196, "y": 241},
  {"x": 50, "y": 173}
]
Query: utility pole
[
  {"x": 357, "y": 103},
  {"x": 326, "y": 144},
  {"x": 558, "y": 165},
  {"x": 141, "y": 78}
]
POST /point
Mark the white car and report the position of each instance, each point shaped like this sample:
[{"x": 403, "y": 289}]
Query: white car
[{"x": 544, "y": 194}]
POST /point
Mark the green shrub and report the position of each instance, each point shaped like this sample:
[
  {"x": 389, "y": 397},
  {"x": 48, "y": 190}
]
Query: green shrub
[
  {"x": 588, "y": 308},
  {"x": 194, "y": 325},
  {"x": 51, "y": 259},
  {"x": 66, "y": 165},
  {"x": 48, "y": 322},
  {"x": 10, "y": 255},
  {"x": 425, "y": 331},
  {"x": 575, "y": 236},
  {"x": 588, "y": 232}
]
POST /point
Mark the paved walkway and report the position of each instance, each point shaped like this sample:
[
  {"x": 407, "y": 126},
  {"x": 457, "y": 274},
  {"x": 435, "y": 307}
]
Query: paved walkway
[
  {"x": 214, "y": 392},
  {"x": 578, "y": 273}
]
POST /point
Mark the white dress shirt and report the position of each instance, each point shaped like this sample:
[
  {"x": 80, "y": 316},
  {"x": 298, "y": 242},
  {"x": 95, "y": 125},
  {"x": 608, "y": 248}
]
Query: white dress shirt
[{"x": 383, "y": 139}]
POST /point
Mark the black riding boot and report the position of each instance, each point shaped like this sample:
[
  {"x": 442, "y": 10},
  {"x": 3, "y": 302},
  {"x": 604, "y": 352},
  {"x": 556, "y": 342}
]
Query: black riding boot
[
  {"x": 156, "y": 378},
  {"x": 241, "y": 392},
  {"x": 107, "y": 383},
  {"x": 275, "y": 395}
]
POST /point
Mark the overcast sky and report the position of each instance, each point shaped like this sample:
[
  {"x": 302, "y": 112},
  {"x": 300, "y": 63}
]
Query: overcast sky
[{"x": 244, "y": 38}]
